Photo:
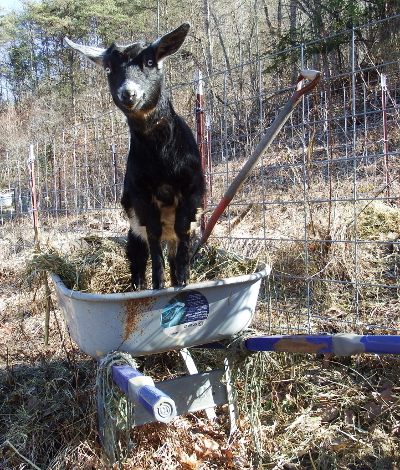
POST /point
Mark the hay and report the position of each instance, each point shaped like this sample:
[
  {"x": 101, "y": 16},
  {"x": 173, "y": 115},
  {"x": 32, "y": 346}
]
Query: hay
[
  {"x": 211, "y": 263},
  {"x": 117, "y": 410},
  {"x": 100, "y": 265},
  {"x": 50, "y": 261},
  {"x": 377, "y": 220},
  {"x": 103, "y": 266}
]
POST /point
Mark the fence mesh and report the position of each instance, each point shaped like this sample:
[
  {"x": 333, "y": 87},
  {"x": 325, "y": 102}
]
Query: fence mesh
[{"x": 322, "y": 205}]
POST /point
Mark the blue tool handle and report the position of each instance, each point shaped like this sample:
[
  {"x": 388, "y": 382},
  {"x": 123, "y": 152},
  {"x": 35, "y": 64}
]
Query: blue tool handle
[
  {"x": 157, "y": 403},
  {"x": 139, "y": 387},
  {"x": 381, "y": 344},
  {"x": 342, "y": 344}
]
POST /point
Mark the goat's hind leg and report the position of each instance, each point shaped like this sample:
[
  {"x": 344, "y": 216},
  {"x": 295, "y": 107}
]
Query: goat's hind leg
[
  {"x": 157, "y": 261},
  {"x": 182, "y": 257},
  {"x": 172, "y": 245},
  {"x": 138, "y": 254},
  {"x": 182, "y": 261}
]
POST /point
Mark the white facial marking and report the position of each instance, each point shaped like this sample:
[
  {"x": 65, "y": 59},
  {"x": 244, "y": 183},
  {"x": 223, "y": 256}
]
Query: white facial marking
[{"x": 132, "y": 87}]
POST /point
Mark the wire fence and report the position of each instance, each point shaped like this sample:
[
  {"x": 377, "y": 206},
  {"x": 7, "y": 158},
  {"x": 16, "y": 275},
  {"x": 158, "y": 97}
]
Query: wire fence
[{"x": 322, "y": 205}]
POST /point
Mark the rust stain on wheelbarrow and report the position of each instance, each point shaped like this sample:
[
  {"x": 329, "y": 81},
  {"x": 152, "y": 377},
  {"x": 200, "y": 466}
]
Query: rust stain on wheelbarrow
[
  {"x": 298, "y": 344},
  {"x": 135, "y": 310}
]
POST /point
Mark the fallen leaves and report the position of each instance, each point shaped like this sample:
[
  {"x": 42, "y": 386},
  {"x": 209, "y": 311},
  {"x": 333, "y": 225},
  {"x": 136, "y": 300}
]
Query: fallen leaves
[
  {"x": 206, "y": 449},
  {"x": 383, "y": 402},
  {"x": 188, "y": 461}
]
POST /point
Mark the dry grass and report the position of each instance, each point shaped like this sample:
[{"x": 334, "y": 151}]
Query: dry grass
[
  {"x": 296, "y": 411},
  {"x": 332, "y": 414},
  {"x": 341, "y": 281}
]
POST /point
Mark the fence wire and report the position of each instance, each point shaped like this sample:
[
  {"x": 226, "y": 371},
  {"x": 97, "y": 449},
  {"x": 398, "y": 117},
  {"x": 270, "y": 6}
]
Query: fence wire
[{"x": 322, "y": 206}]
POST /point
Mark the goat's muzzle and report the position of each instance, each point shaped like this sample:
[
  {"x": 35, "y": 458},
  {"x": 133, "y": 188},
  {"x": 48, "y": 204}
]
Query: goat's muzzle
[
  {"x": 129, "y": 101},
  {"x": 130, "y": 94},
  {"x": 128, "y": 98}
]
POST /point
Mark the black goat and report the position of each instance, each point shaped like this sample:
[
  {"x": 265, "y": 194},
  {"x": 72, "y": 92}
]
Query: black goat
[{"x": 164, "y": 183}]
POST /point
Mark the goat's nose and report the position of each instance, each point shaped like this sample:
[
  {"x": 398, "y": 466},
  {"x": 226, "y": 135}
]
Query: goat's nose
[{"x": 128, "y": 96}]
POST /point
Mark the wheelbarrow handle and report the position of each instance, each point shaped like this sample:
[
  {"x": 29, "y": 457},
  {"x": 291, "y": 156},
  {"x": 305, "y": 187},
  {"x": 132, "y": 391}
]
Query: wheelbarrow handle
[
  {"x": 269, "y": 136},
  {"x": 342, "y": 344},
  {"x": 140, "y": 388}
]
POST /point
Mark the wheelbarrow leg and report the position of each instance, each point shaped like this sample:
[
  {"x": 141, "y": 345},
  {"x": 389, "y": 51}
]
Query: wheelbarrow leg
[
  {"x": 210, "y": 412},
  {"x": 192, "y": 369},
  {"x": 232, "y": 409}
]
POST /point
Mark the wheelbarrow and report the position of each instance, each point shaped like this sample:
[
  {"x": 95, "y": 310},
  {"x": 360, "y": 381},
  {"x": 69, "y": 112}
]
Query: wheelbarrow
[{"x": 156, "y": 321}]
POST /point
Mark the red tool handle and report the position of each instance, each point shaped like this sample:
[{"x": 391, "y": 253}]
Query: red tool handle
[{"x": 269, "y": 136}]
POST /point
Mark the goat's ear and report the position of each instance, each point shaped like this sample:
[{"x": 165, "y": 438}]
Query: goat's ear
[
  {"x": 95, "y": 54},
  {"x": 170, "y": 42}
]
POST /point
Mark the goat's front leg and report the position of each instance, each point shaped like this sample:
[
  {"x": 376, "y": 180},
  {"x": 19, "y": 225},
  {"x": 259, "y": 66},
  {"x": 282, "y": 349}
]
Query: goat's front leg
[
  {"x": 154, "y": 232},
  {"x": 182, "y": 260},
  {"x": 138, "y": 254}
]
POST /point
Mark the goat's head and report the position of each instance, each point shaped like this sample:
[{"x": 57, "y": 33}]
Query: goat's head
[{"x": 135, "y": 71}]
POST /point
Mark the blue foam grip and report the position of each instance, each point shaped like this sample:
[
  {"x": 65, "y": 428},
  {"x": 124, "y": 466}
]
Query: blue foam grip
[
  {"x": 381, "y": 344},
  {"x": 157, "y": 403},
  {"x": 153, "y": 400}
]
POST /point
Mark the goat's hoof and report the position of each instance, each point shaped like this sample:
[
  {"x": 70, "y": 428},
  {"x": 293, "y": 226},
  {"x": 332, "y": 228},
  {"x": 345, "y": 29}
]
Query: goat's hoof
[
  {"x": 138, "y": 285},
  {"x": 158, "y": 285}
]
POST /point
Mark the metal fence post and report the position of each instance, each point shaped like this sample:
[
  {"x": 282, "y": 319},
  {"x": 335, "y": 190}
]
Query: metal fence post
[
  {"x": 32, "y": 188},
  {"x": 115, "y": 170},
  {"x": 199, "y": 111},
  {"x": 385, "y": 133},
  {"x": 209, "y": 160}
]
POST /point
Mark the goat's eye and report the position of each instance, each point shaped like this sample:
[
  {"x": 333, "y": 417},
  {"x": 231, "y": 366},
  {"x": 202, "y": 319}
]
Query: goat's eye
[
  {"x": 107, "y": 69},
  {"x": 149, "y": 63}
]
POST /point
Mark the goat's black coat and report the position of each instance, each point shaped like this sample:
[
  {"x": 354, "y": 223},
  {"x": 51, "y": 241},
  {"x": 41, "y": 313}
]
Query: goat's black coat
[{"x": 164, "y": 184}]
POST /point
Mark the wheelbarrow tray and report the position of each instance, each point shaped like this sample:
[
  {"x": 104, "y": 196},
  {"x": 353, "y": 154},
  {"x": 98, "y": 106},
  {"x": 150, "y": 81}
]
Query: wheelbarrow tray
[{"x": 154, "y": 321}]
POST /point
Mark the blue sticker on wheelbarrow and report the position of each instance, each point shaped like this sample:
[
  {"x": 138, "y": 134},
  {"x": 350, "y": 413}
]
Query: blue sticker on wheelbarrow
[{"x": 184, "y": 314}]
